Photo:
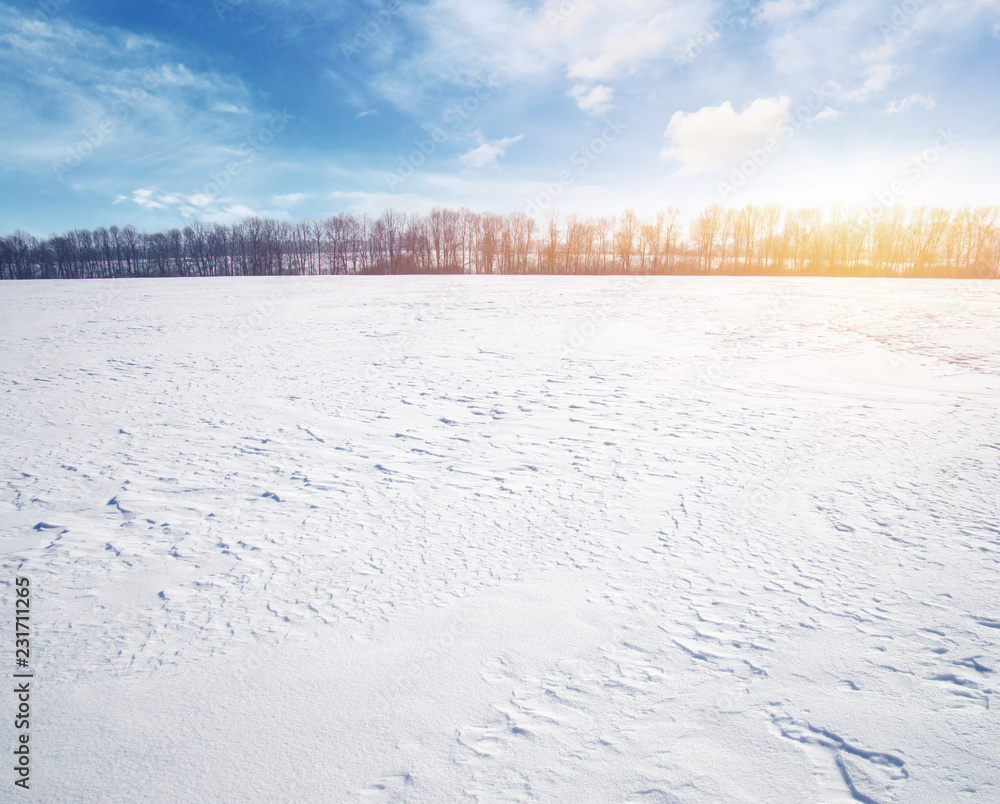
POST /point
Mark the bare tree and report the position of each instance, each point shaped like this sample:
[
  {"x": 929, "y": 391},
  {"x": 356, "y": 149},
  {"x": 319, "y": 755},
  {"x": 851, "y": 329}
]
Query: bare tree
[
  {"x": 668, "y": 233},
  {"x": 770, "y": 219},
  {"x": 625, "y": 239},
  {"x": 491, "y": 228},
  {"x": 705, "y": 232},
  {"x": 603, "y": 229},
  {"x": 552, "y": 245},
  {"x": 769, "y": 240}
]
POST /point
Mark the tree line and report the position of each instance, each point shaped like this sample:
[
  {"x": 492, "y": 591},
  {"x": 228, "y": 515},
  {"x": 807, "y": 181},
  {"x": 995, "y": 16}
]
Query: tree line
[{"x": 752, "y": 240}]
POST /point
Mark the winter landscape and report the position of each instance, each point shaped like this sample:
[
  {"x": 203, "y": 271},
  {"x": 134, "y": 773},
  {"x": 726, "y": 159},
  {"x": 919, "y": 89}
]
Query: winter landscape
[
  {"x": 500, "y": 402},
  {"x": 416, "y": 539}
]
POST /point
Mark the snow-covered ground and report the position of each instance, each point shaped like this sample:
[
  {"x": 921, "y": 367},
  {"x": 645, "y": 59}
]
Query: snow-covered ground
[{"x": 504, "y": 539}]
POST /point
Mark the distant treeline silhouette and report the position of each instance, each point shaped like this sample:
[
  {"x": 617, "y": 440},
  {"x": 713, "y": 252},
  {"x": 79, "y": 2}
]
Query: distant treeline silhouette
[{"x": 752, "y": 240}]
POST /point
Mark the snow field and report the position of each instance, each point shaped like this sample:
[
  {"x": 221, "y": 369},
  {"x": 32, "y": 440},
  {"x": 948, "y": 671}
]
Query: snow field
[{"x": 506, "y": 539}]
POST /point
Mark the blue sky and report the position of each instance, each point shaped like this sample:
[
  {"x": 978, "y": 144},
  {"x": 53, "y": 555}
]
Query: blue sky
[{"x": 163, "y": 112}]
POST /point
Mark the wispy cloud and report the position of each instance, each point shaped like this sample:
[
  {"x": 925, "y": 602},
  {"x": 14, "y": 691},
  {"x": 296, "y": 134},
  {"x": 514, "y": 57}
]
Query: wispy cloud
[
  {"x": 634, "y": 32},
  {"x": 103, "y": 85},
  {"x": 861, "y": 46},
  {"x": 589, "y": 42},
  {"x": 880, "y": 69},
  {"x": 773, "y": 10},
  {"x": 488, "y": 152},
  {"x": 907, "y": 103},
  {"x": 826, "y": 113},
  {"x": 229, "y": 108}
]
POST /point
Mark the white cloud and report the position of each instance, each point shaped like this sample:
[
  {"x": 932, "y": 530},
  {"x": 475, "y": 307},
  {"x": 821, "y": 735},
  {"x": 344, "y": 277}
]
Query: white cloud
[
  {"x": 907, "y": 103},
  {"x": 230, "y": 108},
  {"x": 144, "y": 198},
  {"x": 826, "y": 113},
  {"x": 202, "y": 207},
  {"x": 138, "y": 42},
  {"x": 880, "y": 75},
  {"x": 367, "y": 113},
  {"x": 488, "y": 152},
  {"x": 715, "y": 136},
  {"x": 233, "y": 213},
  {"x": 593, "y": 101},
  {"x": 290, "y": 198}
]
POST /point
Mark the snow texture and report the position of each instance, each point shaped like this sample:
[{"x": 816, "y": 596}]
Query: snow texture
[{"x": 505, "y": 539}]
